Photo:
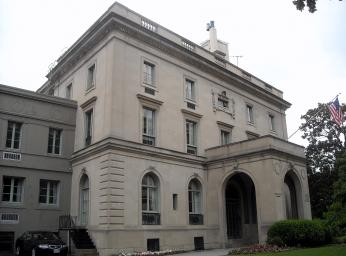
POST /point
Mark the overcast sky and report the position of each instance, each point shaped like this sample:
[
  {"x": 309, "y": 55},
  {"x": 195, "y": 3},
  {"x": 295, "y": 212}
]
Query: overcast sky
[{"x": 302, "y": 54}]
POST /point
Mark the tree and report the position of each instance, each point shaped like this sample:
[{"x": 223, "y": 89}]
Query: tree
[
  {"x": 311, "y": 4},
  {"x": 326, "y": 142},
  {"x": 336, "y": 215}
]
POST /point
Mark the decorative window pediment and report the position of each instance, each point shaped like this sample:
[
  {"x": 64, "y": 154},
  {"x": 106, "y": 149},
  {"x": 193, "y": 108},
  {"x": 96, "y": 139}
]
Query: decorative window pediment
[{"x": 221, "y": 102}]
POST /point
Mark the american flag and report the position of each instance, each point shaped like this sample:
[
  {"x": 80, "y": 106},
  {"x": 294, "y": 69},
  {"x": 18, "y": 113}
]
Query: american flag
[{"x": 335, "y": 111}]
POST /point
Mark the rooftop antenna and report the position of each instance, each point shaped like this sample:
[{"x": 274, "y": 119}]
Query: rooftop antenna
[
  {"x": 210, "y": 25},
  {"x": 237, "y": 56}
]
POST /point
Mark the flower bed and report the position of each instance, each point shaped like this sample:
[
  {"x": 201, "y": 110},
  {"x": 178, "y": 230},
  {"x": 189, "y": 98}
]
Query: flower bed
[
  {"x": 158, "y": 253},
  {"x": 256, "y": 248}
]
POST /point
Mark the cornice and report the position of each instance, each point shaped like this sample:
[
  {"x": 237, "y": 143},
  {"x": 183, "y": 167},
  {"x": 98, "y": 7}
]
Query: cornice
[
  {"x": 26, "y": 94},
  {"x": 190, "y": 113},
  {"x": 114, "y": 22},
  {"x": 88, "y": 102},
  {"x": 257, "y": 154},
  {"x": 225, "y": 124},
  {"x": 112, "y": 143},
  {"x": 144, "y": 98}
]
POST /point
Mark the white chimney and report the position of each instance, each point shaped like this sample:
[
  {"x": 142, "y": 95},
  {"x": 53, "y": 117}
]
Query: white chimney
[{"x": 213, "y": 44}]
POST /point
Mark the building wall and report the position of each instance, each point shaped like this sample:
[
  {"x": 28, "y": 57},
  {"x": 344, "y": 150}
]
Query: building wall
[
  {"x": 119, "y": 68},
  {"x": 37, "y": 113},
  {"x": 117, "y": 160}
]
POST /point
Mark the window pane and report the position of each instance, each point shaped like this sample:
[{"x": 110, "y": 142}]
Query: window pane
[
  {"x": 148, "y": 73},
  {"x": 9, "y": 135},
  {"x": 43, "y": 191},
  {"x": 191, "y": 133},
  {"x": 12, "y": 189},
  {"x": 17, "y": 135},
  {"x": 88, "y": 127},
  {"x": 190, "y": 89},
  {"x": 91, "y": 77},
  {"x": 50, "y": 140},
  {"x": 57, "y": 141},
  {"x": 144, "y": 199}
]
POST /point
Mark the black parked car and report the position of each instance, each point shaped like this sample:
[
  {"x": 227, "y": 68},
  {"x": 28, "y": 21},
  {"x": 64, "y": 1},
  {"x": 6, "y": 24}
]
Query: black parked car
[{"x": 36, "y": 243}]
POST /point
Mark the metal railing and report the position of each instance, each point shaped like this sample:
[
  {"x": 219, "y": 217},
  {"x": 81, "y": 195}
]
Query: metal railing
[{"x": 67, "y": 222}]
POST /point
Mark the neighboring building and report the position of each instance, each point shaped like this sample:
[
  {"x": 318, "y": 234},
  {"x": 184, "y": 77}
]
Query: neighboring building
[
  {"x": 174, "y": 146},
  {"x": 36, "y": 132}
]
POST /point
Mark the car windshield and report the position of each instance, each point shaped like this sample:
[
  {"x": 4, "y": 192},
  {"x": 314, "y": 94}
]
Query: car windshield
[{"x": 44, "y": 236}]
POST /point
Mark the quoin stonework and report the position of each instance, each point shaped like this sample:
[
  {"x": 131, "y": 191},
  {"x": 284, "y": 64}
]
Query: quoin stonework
[{"x": 160, "y": 144}]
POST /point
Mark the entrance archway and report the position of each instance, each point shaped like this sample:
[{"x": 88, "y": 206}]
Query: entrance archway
[
  {"x": 241, "y": 211},
  {"x": 84, "y": 200},
  {"x": 291, "y": 195}
]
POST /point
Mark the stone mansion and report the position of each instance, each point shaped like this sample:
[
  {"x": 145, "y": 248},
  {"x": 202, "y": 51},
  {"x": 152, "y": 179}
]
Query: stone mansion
[{"x": 160, "y": 144}]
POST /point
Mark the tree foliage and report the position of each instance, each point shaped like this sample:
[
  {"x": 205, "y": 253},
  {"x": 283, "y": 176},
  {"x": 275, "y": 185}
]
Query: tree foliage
[
  {"x": 326, "y": 139},
  {"x": 326, "y": 142},
  {"x": 337, "y": 211},
  {"x": 311, "y": 4}
]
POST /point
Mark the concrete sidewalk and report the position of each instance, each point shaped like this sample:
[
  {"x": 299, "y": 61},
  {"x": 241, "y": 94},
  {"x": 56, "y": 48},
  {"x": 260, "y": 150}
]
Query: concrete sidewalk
[{"x": 214, "y": 252}]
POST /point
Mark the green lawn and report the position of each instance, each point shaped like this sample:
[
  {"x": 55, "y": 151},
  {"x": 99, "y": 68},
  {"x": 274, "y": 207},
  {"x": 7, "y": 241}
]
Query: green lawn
[{"x": 335, "y": 250}]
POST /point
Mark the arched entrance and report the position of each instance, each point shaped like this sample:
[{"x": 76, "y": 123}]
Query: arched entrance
[
  {"x": 241, "y": 211},
  {"x": 84, "y": 200},
  {"x": 291, "y": 195}
]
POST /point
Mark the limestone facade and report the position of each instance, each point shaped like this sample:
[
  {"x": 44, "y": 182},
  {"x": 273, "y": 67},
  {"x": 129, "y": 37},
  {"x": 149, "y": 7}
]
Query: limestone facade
[{"x": 174, "y": 147}]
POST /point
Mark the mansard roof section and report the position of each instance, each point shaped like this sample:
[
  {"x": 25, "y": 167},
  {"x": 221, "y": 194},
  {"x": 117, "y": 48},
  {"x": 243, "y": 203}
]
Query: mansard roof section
[{"x": 119, "y": 17}]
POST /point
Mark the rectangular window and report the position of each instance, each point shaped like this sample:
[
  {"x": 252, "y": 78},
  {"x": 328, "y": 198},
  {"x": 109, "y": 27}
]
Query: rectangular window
[
  {"x": 54, "y": 141},
  {"x": 153, "y": 245},
  {"x": 91, "y": 77},
  {"x": 13, "y": 135},
  {"x": 12, "y": 189},
  {"x": 191, "y": 137},
  {"x": 148, "y": 126},
  {"x": 88, "y": 127},
  {"x": 190, "y": 90},
  {"x": 149, "y": 73},
  {"x": 175, "y": 201},
  {"x": 48, "y": 192},
  {"x": 225, "y": 137},
  {"x": 249, "y": 110},
  {"x": 69, "y": 91},
  {"x": 271, "y": 123}
]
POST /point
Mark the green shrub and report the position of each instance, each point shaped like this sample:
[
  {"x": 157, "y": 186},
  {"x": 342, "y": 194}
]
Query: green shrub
[{"x": 298, "y": 233}]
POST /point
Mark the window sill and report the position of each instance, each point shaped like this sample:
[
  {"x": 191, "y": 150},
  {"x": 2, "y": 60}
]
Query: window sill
[
  {"x": 54, "y": 155},
  {"x": 150, "y": 86},
  {"x": 17, "y": 150},
  {"x": 17, "y": 205},
  {"x": 191, "y": 101},
  {"x": 90, "y": 89},
  {"x": 53, "y": 207}
]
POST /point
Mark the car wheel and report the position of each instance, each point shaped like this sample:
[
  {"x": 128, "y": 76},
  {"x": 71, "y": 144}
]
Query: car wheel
[
  {"x": 33, "y": 252},
  {"x": 18, "y": 251}
]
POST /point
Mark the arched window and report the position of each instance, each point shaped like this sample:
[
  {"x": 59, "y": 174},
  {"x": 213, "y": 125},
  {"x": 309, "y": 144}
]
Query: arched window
[
  {"x": 290, "y": 198},
  {"x": 84, "y": 200},
  {"x": 150, "y": 200},
  {"x": 195, "y": 203}
]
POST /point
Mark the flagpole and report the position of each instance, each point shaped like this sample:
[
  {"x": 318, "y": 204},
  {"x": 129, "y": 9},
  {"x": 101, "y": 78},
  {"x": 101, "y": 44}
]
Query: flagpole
[{"x": 312, "y": 117}]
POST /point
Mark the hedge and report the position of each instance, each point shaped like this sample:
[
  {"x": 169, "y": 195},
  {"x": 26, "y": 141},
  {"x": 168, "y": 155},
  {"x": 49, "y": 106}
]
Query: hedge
[{"x": 306, "y": 233}]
